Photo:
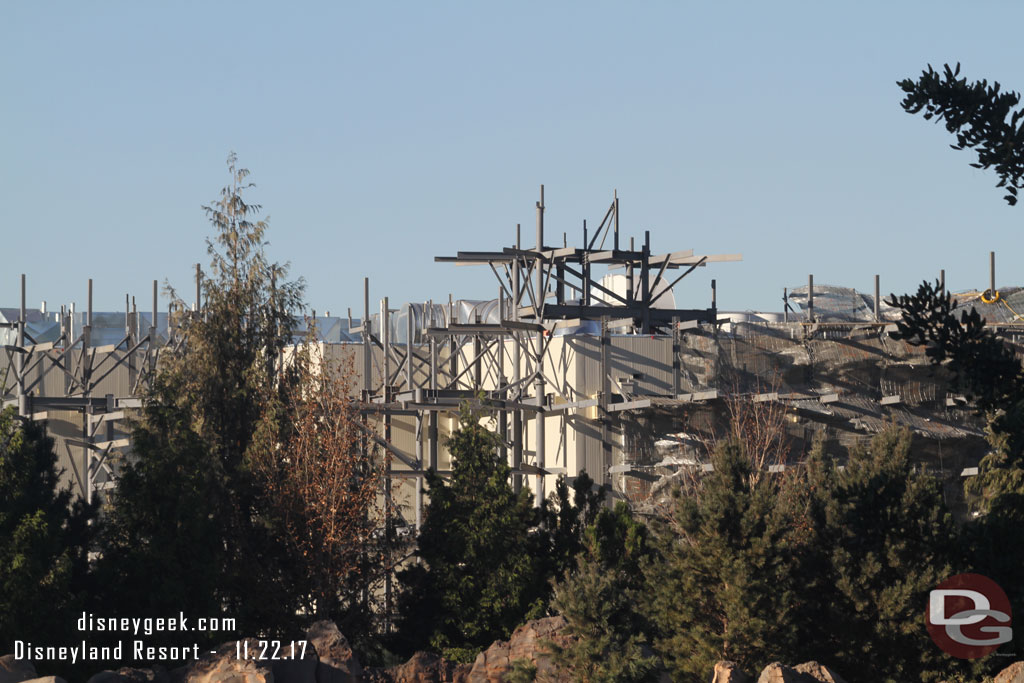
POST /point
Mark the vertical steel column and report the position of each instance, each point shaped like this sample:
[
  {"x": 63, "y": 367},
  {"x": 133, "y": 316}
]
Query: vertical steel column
[
  {"x": 501, "y": 385},
  {"x": 432, "y": 418},
  {"x": 645, "y": 285},
  {"x": 616, "y": 201},
  {"x": 19, "y": 357},
  {"x": 714, "y": 300},
  {"x": 199, "y": 289},
  {"x": 130, "y": 336},
  {"x": 152, "y": 334},
  {"x": 453, "y": 357},
  {"x": 539, "y": 380},
  {"x": 810, "y": 298},
  {"x": 418, "y": 397},
  {"x": 385, "y": 331},
  {"x": 87, "y": 394},
  {"x": 992, "y": 273},
  {"x": 478, "y": 370},
  {"x": 603, "y": 476},
  {"x": 676, "y": 361},
  {"x": 585, "y": 296},
  {"x": 517, "y": 414},
  {"x": 367, "y": 342},
  {"x": 877, "y": 289}
]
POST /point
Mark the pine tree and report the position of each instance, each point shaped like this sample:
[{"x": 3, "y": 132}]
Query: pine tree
[
  {"x": 480, "y": 575},
  {"x": 889, "y": 539},
  {"x": 723, "y": 584},
  {"x": 983, "y": 119},
  {"x": 43, "y": 554},
  {"x": 599, "y": 599},
  {"x": 192, "y": 492}
]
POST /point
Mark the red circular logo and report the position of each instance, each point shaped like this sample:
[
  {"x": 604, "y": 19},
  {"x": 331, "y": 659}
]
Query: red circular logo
[{"x": 968, "y": 616}]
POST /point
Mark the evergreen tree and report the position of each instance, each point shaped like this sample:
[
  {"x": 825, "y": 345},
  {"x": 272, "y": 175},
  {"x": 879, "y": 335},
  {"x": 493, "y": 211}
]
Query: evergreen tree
[
  {"x": 480, "y": 574},
  {"x": 566, "y": 520},
  {"x": 216, "y": 400},
  {"x": 599, "y": 601},
  {"x": 43, "y": 554},
  {"x": 982, "y": 117},
  {"x": 723, "y": 584},
  {"x": 889, "y": 540}
]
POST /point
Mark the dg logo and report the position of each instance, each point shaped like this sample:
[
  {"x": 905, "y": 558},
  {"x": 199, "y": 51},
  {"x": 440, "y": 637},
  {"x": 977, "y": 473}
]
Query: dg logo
[{"x": 969, "y": 616}]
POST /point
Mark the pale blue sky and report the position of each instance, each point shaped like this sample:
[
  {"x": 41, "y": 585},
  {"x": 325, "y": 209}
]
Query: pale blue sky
[{"x": 382, "y": 134}]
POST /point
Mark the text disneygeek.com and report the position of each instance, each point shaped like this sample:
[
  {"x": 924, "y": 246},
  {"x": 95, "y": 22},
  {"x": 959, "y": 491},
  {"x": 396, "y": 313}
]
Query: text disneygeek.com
[{"x": 137, "y": 648}]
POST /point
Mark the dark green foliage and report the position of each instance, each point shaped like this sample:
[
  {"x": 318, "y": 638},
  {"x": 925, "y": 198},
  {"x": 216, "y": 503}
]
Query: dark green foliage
[
  {"x": 982, "y": 117},
  {"x": 480, "y": 576},
  {"x": 599, "y": 601},
  {"x": 888, "y": 539},
  {"x": 982, "y": 365},
  {"x": 986, "y": 369},
  {"x": 723, "y": 584},
  {"x": 154, "y": 525},
  {"x": 188, "y": 525},
  {"x": 565, "y": 521},
  {"x": 44, "y": 539}
]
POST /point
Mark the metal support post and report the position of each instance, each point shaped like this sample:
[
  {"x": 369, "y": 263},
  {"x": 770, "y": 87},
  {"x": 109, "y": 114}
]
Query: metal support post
[
  {"x": 539, "y": 266},
  {"x": 877, "y": 294},
  {"x": 992, "y": 274},
  {"x": 645, "y": 285},
  {"x": 501, "y": 385},
  {"x": 385, "y": 331},
  {"x": 676, "y": 362},
  {"x": 616, "y": 202},
  {"x": 810, "y": 298},
  {"x": 19, "y": 357},
  {"x": 603, "y": 476},
  {"x": 199, "y": 287}
]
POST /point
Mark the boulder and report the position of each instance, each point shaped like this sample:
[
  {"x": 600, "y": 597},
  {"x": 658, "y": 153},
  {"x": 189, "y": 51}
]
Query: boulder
[
  {"x": 46, "y": 679},
  {"x": 423, "y": 667},
  {"x": 780, "y": 673},
  {"x": 15, "y": 671},
  {"x": 337, "y": 662},
  {"x": 527, "y": 642},
  {"x": 1011, "y": 674},
  {"x": 223, "y": 667},
  {"x": 491, "y": 665},
  {"x": 127, "y": 675},
  {"x": 729, "y": 672},
  {"x": 820, "y": 672}
]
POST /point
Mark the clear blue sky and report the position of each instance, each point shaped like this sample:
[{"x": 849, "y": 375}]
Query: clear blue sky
[{"x": 381, "y": 134}]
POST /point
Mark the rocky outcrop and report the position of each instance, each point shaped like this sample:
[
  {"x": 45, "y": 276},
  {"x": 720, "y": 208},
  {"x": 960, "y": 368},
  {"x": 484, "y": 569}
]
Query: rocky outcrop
[
  {"x": 780, "y": 673},
  {"x": 223, "y": 667},
  {"x": 338, "y": 663},
  {"x": 819, "y": 672},
  {"x": 423, "y": 667},
  {"x": 808, "y": 672},
  {"x": 527, "y": 643},
  {"x": 13, "y": 671},
  {"x": 1011, "y": 674},
  {"x": 728, "y": 672}
]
